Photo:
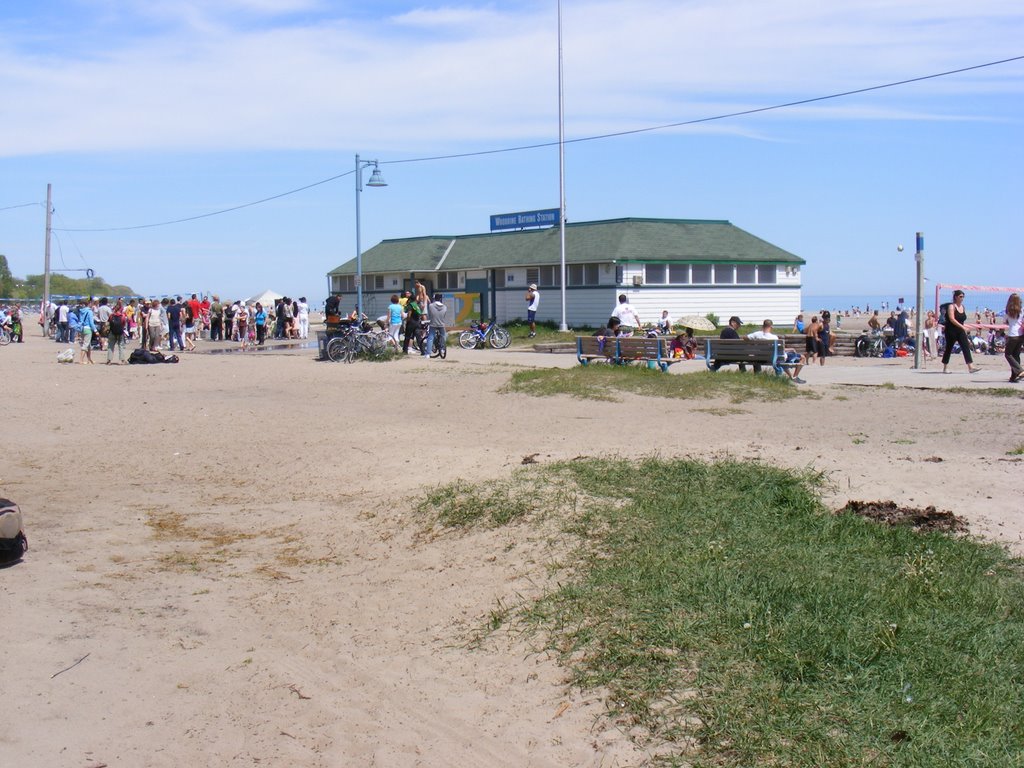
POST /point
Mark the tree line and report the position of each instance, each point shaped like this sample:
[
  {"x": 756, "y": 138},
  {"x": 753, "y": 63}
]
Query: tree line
[{"x": 31, "y": 287}]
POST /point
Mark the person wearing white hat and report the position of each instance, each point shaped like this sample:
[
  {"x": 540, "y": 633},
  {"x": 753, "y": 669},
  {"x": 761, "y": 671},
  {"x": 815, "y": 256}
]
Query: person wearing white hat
[{"x": 532, "y": 302}]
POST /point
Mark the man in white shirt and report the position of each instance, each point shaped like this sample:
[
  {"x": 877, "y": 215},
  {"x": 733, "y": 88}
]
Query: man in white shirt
[
  {"x": 793, "y": 360},
  {"x": 62, "y": 321},
  {"x": 626, "y": 315},
  {"x": 532, "y": 303}
]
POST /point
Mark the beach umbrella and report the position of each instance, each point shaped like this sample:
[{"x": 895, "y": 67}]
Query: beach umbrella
[{"x": 697, "y": 322}]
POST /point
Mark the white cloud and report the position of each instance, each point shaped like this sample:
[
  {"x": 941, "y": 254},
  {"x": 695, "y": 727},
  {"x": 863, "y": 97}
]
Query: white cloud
[{"x": 455, "y": 74}]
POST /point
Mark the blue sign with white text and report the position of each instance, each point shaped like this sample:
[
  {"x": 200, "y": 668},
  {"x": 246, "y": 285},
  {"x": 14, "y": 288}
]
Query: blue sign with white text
[{"x": 545, "y": 218}]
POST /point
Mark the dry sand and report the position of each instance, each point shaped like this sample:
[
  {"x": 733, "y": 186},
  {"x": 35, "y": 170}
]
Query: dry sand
[{"x": 231, "y": 550}]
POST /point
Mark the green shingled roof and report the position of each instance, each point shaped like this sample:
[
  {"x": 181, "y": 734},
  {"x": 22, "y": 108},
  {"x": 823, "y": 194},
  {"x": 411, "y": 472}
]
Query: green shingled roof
[{"x": 619, "y": 240}]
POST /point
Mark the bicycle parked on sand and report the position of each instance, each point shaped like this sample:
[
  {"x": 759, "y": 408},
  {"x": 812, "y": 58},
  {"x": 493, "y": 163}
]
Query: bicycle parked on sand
[
  {"x": 872, "y": 344},
  {"x": 480, "y": 334},
  {"x": 359, "y": 340}
]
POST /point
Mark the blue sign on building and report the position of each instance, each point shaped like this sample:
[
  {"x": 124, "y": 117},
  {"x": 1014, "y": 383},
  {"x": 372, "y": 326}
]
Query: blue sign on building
[{"x": 545, "y": 218}]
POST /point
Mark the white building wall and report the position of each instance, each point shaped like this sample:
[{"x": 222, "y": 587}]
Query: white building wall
[
  {"x": 593, "y": 306},
  {"x": 751, "y": 304}
]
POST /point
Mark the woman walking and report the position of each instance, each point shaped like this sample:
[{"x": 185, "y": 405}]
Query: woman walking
[
  {"x": 957, "y": 333},
  {"x": 1014, "y": 336}
]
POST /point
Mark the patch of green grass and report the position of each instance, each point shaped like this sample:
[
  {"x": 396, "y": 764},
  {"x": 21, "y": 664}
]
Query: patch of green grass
[
  {"x": 990, "y": 392},
  {"x": 721, "y": 411},
  {"x": 463, "y": 505},
  {"x": 887, "y": 385},
  {"x": 602, "y": 382},
  {"x": 1018, "y": 451},
  {"x": 903, "y": 442},
  {"x": 731, "y": 617}
]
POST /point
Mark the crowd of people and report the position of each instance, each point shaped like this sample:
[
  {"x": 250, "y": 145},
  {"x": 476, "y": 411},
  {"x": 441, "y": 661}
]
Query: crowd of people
[
  {"x": 413, "y": 319},
  {"x": 170, "y": 323}
]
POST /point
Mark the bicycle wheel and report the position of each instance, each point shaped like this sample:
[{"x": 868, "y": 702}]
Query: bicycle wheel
[
  {"x": 468, "y": 339},
  {"x": 339, "y": 350},
  {"x": 863, "y": 347},
  {"x": 500, "y": 338},
  {"x": 5, "y": 337}
]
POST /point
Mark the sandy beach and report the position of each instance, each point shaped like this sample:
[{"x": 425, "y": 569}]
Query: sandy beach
[{"x": 230, "y": 562}]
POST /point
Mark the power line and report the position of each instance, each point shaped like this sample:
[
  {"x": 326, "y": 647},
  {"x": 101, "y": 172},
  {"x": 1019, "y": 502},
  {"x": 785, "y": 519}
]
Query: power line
[
  {"x": 726, "y": 116},
  {"x": 617, "y": 134},
  {"x": 23, "y": 205},
  {"x": 211, "y": 213}
]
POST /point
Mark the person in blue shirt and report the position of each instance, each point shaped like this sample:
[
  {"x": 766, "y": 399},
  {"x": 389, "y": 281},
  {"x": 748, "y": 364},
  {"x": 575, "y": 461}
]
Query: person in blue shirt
[
  {"x": 260, "y": 319},
  {"x": 395, "y": 312},
  {"x": 87, "y": 321}
]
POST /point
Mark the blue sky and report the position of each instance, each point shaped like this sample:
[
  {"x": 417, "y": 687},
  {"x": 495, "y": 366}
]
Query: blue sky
[{"x": 144, "y": 111}]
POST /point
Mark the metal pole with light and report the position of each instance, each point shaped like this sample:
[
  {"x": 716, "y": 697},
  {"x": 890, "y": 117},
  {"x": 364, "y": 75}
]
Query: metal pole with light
[
  {"x": 918, "y": 333},
  {"x": 561, "y": 172},
  {"x": 376, "y": 180}
]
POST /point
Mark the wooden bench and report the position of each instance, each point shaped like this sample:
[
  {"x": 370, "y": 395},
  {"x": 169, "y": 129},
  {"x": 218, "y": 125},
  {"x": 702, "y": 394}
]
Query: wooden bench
[
  {"x": 623, "y": 350},
  {"x": 719, "y": 352},
  {"x": 592, "y": 348}
]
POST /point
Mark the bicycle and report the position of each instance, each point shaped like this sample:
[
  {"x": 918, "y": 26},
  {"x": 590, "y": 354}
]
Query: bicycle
[
  {"x": 485, "y": 333},
  {"x": 440, "y": 348},
  {"x": 871, "y": 344},
  {"x": 6, "y": 335},
  {"x": 355, "y": 341}
]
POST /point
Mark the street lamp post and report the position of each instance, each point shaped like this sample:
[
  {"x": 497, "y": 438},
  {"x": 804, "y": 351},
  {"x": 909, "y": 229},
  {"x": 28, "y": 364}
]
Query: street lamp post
[
  {"x": 376, "y": 180},
  {"x": 918, "y": 332}
]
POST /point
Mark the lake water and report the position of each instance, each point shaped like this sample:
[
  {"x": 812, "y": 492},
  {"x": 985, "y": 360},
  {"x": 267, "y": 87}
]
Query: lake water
[{"x": 973, "y": 302}]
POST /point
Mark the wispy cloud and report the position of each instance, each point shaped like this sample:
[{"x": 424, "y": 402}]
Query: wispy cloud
[{"x": 298, "y": 74}]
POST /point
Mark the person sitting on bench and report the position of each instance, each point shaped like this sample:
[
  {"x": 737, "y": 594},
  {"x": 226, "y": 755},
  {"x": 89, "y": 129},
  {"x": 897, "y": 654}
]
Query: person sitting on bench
[
  {"x": 730, "y": 332},
  {"x": 793, "y": 362}
]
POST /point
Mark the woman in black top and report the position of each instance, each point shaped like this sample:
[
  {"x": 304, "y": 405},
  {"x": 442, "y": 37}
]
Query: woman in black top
[
  {"x": 413, "y": 311},
  {"x": 956, "y": 333}
]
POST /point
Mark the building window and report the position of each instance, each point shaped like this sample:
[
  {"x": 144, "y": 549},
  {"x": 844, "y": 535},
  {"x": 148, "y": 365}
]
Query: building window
[
  {"x": 500, "y": 278},
  {"x": 372, "y": 282},
  {"x": 746, "y": 274},
  {"x": 583, "y": 274},
  {"x": 447, "y": 281},
  {"x": 655, "y": 274},
  {"x": 701, "y": 274},
  {"x": 544, "y": 277},
  {"x": 725, "y": 274},
  {"x": 344, "y": 284},
  {"x": 679, "y": 274},
  {"x": 766, "y": 274}
]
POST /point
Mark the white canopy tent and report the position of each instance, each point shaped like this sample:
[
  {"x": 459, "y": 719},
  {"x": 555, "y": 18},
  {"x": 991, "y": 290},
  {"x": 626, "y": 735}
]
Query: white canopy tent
[{"x": 267, "y": 298}]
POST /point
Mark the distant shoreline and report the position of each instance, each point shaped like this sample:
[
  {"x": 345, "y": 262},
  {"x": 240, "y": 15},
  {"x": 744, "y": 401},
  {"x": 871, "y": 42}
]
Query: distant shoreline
[{"x": 979, "y": 302}]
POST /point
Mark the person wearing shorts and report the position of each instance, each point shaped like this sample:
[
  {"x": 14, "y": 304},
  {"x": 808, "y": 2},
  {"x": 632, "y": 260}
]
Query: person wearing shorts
[{"x": 532, "y": 303}]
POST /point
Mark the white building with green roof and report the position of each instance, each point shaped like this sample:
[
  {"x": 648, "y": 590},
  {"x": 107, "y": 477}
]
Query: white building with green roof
[{"x": 684, "y": 266}]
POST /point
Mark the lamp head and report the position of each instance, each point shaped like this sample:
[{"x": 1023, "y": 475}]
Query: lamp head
[{"x": 376, "y": 180}]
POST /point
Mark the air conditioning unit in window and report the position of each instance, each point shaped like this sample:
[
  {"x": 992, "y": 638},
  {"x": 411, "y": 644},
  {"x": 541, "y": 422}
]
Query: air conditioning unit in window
[{"x": 638, "y": 280}]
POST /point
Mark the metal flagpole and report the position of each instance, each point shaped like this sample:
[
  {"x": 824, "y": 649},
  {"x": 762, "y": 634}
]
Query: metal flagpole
[{"x": 561, "y": 171}]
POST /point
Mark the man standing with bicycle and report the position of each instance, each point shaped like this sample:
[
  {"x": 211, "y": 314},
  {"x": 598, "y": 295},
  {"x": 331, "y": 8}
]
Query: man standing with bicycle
[{"x": 437, "y": 316}]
